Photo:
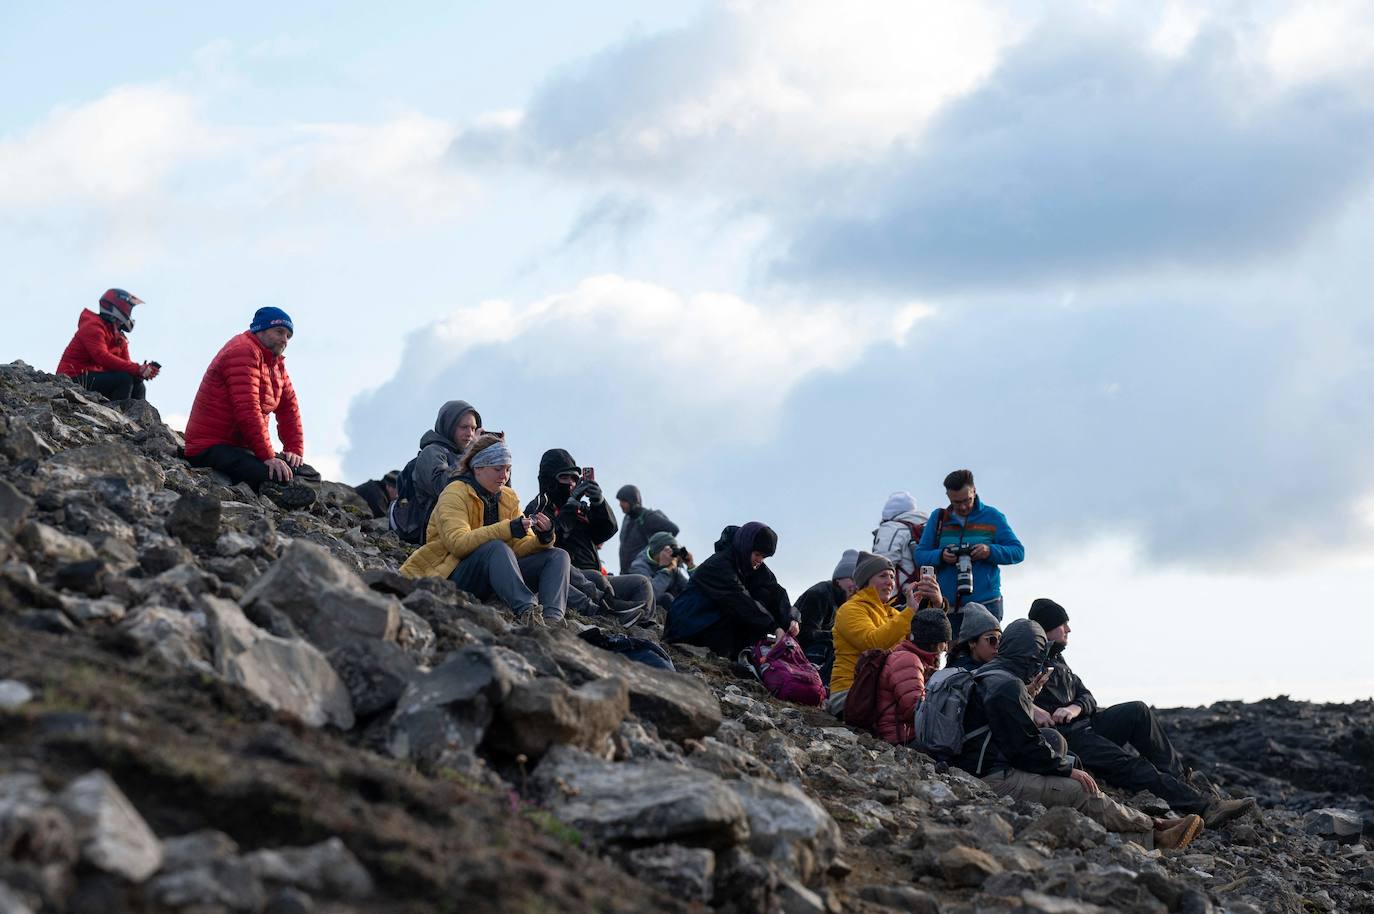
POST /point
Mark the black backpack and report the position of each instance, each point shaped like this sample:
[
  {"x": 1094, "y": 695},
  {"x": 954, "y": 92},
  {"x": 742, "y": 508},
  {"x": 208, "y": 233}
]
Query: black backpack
[{"x": 409, "y": 513}]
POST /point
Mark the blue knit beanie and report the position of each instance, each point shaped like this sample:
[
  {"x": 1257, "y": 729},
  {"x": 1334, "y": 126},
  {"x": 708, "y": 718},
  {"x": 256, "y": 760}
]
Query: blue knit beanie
[{"x": 266, "y": 318}]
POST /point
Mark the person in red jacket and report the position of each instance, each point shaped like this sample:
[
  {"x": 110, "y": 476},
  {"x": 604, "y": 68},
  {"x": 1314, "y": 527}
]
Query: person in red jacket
[
  {"x": 98, "y": 355},
  {"x": 902, "y": 684},
  {"x": 227, "y": 431}
]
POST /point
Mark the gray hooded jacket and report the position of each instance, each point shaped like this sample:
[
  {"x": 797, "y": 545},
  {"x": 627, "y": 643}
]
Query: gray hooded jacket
[{"x": 438, "y": 455}]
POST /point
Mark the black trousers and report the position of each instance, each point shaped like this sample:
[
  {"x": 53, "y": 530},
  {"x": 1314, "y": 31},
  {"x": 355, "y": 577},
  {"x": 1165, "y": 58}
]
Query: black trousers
[
  {"x": 1158, "y": 768},
  {"x": 114, "y": 385},
  {"x": 242, "y": 465}
]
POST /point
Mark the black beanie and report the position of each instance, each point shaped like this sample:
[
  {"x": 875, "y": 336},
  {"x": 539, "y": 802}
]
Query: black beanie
[
  {"x": 1047, "y": 613},
  {"x": 931, "y": 626}
]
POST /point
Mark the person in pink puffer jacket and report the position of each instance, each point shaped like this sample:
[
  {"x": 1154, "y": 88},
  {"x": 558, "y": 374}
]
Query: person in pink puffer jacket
[{"x": 902, "y": 685}]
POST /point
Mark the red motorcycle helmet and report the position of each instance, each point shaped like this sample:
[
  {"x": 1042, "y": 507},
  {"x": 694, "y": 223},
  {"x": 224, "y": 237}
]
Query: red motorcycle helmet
[{"x": 117, "y": 306}]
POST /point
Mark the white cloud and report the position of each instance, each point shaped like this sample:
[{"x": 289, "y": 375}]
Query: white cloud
[{"x": 1322, "y": 40}]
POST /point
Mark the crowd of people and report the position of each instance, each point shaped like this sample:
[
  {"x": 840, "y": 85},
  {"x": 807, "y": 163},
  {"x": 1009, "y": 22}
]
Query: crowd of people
[{"x": 906, "y": 635}]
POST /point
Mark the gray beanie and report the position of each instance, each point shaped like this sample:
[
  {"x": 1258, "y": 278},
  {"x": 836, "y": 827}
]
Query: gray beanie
[
  {"x": 845, "y": 569},
  {"x": 867, "y": 566},
  {"x": 659, "y": 540},
  {"x": 930, "y": 626},
  {"x": 977, "y": 621}
]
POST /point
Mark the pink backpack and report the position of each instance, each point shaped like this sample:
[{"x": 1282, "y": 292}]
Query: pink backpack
[{"x": 786, "y": 673}]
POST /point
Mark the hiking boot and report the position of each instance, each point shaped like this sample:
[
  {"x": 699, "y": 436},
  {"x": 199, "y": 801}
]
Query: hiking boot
[
  {"x": 554, "y": 620},
  {"x": 289, "y": 496},
  {"x": 627, "y": 613},
  {"x": 532, "y": 617},
  {"x": 1176, "y": 834},
  {"x": 1219, "y": 812}
]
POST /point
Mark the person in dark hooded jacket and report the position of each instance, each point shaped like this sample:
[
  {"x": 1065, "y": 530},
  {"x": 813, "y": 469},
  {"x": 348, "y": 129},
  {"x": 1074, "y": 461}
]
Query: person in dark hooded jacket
[
  {"x": 1007, "y": 750},
  {"x": 639, "y": 524},
  {"x": 818, "y": 605},
  {"x": 582, "y": 521},
  {"x": 733, "y": 599}
]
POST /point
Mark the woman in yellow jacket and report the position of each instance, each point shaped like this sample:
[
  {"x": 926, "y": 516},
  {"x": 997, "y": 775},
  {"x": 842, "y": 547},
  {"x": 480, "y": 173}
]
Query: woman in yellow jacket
[
  {"x": 867, "y": 620},
  {"x": 479, "y": 539}
]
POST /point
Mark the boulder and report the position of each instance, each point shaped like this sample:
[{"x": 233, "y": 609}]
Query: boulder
[
  {"x": 79, "y": 466},
  {"x": 31, "y": 825},
  {"x": 679, "y": 705},
  {"x": 326, "y": 601},
  {"x": 285, "y": 674},
  {"x": 541, "y": 712},
  {"x": 967, "y": 867},
  {"x": 14, "y": 694},
  {"x": 1063, "y": 826},
  {"x": 788, "y": 827},
  {"x": 1341, "y": 825},
  {"x": 328, "y": 869},
  {"x": 195, "y": 520},
  {"x": 14, "y": 508},
  {"x": 1039, "y": 903},
  {"x": 23, "y": 443},
  {"x": 683, "y": 872},
  {"x": 112, "y": 835},
  {"x": 445, "y": 713},
  {"x": 169, "y": 634},
  {"x": 376, "y": 674},
  {"x": 51, "y": 546},
  {"x": 640, "y": 802},
  {"x": 83, "y": 610},
  {"x": 901, "y": 897},
  {"x": 414, "y": 634}
]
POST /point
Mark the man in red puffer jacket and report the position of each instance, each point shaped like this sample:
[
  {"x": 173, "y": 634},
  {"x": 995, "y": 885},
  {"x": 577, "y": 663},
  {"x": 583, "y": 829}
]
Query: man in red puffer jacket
[
  {"x": 902, "y": 684},
  {"x": 227, "y": 431},
  {"x": 97, "y": 357}
]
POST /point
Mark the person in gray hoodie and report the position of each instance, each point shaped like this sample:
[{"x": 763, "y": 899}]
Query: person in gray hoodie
[
  {"x": 638, "y": 525},
  {"x": 424, "y": 478}
]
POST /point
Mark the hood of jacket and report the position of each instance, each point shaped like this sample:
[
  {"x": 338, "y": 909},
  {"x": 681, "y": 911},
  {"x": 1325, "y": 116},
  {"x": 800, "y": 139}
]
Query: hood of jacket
[
  {"x": 727, "y": 538},
  {"x": 1021, "y": 651},
  {"x": 630, "y": 494},
  {"x": 753, "y": 536},
  {"x": 555, "y": 461},
  {"x": 899, "y": 503},
  {"x": 447, "y": 421},
  {"x": 911, "y": 517}
]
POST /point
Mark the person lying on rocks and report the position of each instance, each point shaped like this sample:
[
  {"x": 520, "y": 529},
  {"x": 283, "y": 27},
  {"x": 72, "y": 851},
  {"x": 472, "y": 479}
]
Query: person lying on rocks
[
  {"x": 379, "y": 493},
  {"x": 818, "y": 605},
  {"x": 1098, "y": 736},
  {"x": 868, "y": 620},
  {"x": 902, "y": 683},
  {"x": 638, "y": 525},
  {"x": 97, "y": 357},
  {"x": 227, "y": 430},
  {"x": 479, "y": 539},
  {"x": 581, "y": 521},
  {"x": 666, "y": 564},
  {"x": 1005, "y": 748},
  {"x": 733, "y": 599},
  {"x": 978, "y": 636}
]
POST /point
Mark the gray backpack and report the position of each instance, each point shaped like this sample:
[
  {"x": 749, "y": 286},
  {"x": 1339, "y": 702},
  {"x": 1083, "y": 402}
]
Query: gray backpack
[{"x": 940, "y": 716}]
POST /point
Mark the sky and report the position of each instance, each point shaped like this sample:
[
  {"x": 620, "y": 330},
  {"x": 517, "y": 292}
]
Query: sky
[{"x": 774, "y": 261}]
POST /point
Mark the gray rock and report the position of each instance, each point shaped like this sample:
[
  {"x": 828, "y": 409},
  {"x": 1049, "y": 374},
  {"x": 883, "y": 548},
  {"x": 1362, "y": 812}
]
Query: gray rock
[
  {"x": 326, "y": 601},
  {"x": 445, "y": 712},
  {"x": 990, "y": 827},
  {"x": 1038, "y": 903},
  {"x": 376, "y": 674},
  {"x": 112, "y": 835},
  {"x": 12, "y": 903},
  {"x": 78, "y": 466},
  {"x": 1063, "y": 826},
  {"x": 195, "y": 520},
  {"x": 23, "y": 443},
  {"x": 233, "y": 543},
  {"x": 414, "y": 634},
  {"x": 82, "y": 577},
  {"x": 795, "y": 898},
  {"x": 542, "y": 712},
  {"x": 788, "y": 827},
  {"x": 288, "y": 900},
  {"x": 83, "y": 610},
  {"x": 640, "y": 802},
  {"x": 683, "y": 872},
  {"x": 285, "y": 674},
  {"x": 14, "y": 507},
  {"x": 51, "y": 546},
  {"x": 218, "y": 885},
  {"x": 1340, "y": 825},
  {"x": 901, "y": 897},
  {"x": 31, "y": 824},
  {"x": 680, "y": 706},
  {"x": 169, "y": 634},
  {"x": 14, "y": 694},
  {"x": 967, "y": 867},
  {"x": 196, "y": 848},
  {"x": 328, "y": 869}
]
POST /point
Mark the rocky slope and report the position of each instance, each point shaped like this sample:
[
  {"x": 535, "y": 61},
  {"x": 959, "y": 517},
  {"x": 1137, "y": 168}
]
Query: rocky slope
[{"x": 209, "y": 705}]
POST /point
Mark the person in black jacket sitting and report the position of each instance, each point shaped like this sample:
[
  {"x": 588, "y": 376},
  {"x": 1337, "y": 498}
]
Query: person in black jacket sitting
[
  {"x": 582, "y": 521},
  {"x": 1006, "y": 749},
  {"x": 817, "y": 606},
  {"x": 733, "y": 599}
]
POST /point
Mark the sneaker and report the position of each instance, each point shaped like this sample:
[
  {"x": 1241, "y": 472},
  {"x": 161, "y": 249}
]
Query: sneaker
[
  {"x": 288, "y": 496},
  {"x": 1176, "y": 834},
  {"x": 1219, "y": 812},
  {"x": 627, "y": 613}
]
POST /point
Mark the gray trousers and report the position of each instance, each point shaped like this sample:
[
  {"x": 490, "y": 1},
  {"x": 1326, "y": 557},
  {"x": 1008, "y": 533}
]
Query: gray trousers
[
  {"x": 590, "y": 587},
  {"x": 1053, "y": 791},
  {"x": 492, "y": 568}
]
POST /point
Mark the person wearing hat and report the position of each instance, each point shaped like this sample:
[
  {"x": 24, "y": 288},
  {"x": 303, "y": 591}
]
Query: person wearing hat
[
  {"x": 818, "y": 605},
  {"x": 977, "y": 639},
  {"x": 902, "y": 684},
  {"x": 246, "y": 383},
  {"x": 666, "y": 564},
  {"x": 97, "y": 357},
  {"x": 480, "y": 540},
  {"x": 868, "y": 619},
  {"x": 379, "y": 493},
  {"x": 733, "y": 599},
  {"x": 1098, "y": 736},
  {"x": 638, "y": 525}
]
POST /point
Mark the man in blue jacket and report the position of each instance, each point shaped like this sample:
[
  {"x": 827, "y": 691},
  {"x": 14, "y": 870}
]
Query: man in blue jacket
[{"x": 981, "y": 530}]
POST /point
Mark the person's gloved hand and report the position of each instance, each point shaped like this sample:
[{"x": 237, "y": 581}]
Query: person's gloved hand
[{"x": 593, "y": 492}]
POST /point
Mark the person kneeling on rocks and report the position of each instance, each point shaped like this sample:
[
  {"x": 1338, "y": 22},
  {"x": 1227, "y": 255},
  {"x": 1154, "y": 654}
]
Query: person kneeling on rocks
[
  {"x": 868, "y": 620},
  {"x": 1004, "y": 747},
  {"x": 733, "y": 600},
  {"x": 97, "y": 357},
  {"x": 479, "y": 539},
  {"x": 902, "y": 683},
  {"x": 666, "y": 564},
  {"x": 1098, "y": 736},
  {"x": 227, "y": 430}
]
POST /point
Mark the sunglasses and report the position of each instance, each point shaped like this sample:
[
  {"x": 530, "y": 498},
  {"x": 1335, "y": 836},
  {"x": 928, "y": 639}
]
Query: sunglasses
[{"x": 991, "y": 639}]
